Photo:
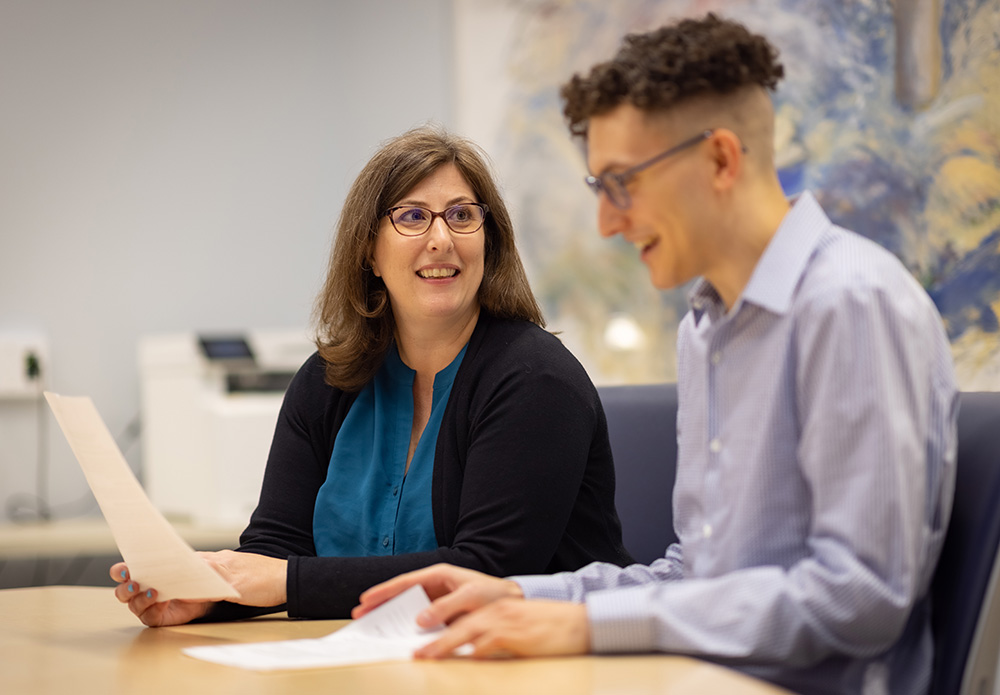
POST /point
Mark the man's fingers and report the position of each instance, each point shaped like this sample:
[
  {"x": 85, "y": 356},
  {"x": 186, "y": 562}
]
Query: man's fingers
[
  {"x": 436, "y": 581},
  {"x": 449, "y": 607},
  {"x": 491, "y": 645},
  {"x": 380, "y": 593},
  {"x": 443, "y": 647},
  {"x": 465, "y": 630}
]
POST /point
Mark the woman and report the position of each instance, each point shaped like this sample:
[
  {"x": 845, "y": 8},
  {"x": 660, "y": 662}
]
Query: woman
[{"x": 437, "y": 421}]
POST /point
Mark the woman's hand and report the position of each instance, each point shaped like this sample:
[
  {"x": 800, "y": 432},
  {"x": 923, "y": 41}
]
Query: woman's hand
[
  {"x": 453, "y": 590},
  {"x": 259, "y": 579},
  {"x": 142, "y": 601}
]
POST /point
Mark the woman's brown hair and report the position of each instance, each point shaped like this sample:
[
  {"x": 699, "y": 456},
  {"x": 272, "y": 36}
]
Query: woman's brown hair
[{"x": 354, "y": 321}]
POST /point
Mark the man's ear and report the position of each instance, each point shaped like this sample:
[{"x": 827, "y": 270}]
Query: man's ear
[{"x": 729, "y": 155}]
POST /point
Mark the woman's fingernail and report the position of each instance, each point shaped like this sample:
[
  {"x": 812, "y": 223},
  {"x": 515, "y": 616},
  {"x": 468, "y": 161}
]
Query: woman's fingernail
[
  {"x": 149, "y": 593},
  {"x": 131, "y": 587},
  {"x": 124, "y": 574}
]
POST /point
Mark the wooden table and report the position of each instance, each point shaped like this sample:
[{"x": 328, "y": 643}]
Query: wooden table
[{"x": 80, "y": 640}]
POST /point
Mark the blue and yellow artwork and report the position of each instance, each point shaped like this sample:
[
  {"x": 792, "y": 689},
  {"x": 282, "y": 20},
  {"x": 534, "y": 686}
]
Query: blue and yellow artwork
[{"x": 889, "y": 113}]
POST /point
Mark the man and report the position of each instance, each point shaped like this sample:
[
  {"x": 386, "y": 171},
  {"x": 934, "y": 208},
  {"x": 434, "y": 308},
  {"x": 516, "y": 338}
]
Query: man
[{"x": 817, "y": 404}]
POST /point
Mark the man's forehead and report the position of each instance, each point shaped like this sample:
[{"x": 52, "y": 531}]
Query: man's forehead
[{"x": 620, "y": 136}]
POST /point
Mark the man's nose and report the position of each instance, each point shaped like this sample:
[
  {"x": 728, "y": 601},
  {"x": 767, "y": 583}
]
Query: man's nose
[{"x": 610, "y": 218}]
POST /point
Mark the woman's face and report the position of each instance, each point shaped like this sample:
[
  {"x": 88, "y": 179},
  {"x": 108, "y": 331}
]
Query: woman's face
[{"x": 435, "y": 275}]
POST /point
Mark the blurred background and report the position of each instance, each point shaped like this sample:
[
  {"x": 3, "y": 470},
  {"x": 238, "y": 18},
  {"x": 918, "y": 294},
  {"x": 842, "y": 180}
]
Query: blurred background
[{"x": 171, "y": 173}]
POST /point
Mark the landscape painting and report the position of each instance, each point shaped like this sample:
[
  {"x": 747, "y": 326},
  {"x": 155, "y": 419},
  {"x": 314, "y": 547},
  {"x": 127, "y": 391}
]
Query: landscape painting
[{"x": 889, "y": 113}]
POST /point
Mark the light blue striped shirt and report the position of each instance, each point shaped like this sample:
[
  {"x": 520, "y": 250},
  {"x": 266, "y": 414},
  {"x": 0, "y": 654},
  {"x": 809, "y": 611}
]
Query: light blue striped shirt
[{"x": 816, "y": 451}]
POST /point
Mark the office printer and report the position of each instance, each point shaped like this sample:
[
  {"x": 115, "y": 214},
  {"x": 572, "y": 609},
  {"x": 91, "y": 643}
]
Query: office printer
[{"x": 209, "y": 406}]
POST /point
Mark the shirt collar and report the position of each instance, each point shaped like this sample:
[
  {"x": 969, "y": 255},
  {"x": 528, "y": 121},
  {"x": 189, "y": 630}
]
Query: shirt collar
[
  {"x": 396, "y": 369},
  {"x": 777, "y": 273}
]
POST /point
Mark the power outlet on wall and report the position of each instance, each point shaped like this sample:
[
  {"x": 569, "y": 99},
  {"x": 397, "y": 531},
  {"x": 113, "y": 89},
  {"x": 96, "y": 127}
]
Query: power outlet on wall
[{"x": 23, "y": 366}]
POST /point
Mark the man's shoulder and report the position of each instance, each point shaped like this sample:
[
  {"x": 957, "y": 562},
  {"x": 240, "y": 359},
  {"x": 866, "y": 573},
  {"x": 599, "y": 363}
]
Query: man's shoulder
[{"x": 846, "y": 263}]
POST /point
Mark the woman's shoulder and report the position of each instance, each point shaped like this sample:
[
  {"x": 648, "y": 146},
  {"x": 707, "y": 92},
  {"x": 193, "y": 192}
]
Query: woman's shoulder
[
  {"x": 507, "y": 344},
  {"x": 519, "y": 360},
  {"x": 309, "y": 382},
  {"x": 520, "y": 337}
]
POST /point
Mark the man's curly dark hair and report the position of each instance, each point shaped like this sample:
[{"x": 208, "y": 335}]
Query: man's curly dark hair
[{"x": 662, "y": 68}]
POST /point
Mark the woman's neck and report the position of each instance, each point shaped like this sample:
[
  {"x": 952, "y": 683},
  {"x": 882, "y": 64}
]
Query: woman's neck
[{"x": 428, "y": 346}]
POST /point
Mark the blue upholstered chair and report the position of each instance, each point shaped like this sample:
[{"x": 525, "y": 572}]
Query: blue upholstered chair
[
  {"x": 965, "y": 596},
  {"x": 642, "y": 423},
  {"x": 965, "y": 591}
]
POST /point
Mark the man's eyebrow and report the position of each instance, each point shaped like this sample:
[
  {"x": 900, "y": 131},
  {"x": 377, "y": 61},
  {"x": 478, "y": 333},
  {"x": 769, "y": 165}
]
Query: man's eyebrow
[{"x": 610, "y": 167}]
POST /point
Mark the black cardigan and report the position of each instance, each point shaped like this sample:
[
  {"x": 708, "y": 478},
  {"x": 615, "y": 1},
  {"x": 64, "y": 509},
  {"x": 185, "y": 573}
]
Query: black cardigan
[{"x": 523, "y": 479}]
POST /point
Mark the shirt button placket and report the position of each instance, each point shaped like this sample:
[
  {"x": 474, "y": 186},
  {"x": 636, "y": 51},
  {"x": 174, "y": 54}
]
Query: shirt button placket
[{"x": 714, "y": 443}]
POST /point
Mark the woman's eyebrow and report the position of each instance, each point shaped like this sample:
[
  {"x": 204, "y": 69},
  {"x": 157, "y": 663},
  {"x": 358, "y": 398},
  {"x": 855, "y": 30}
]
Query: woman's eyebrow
[{"x": 422, "y": 204}]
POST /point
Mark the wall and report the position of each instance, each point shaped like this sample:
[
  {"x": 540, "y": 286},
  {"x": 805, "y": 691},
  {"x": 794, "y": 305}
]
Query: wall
[{"x": 180, "y": 166}]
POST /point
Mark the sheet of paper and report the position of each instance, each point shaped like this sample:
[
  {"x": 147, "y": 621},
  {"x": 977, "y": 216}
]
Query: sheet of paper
[
  {"x": 388, "y": 633},
  {"x": 156, "y": 555}
]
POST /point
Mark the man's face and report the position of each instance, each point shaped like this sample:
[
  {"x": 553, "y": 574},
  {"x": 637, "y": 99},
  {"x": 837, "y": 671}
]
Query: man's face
[{"x": 667, "y": 199}]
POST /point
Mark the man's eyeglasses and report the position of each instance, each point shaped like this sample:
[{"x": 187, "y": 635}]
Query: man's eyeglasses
[
  {"x": 410, "y": 220},
  {"x": 614, "y": 185}
]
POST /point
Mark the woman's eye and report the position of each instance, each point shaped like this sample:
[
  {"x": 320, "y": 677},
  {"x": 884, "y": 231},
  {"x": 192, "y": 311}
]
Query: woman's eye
[{"x": 412, "y": 215}]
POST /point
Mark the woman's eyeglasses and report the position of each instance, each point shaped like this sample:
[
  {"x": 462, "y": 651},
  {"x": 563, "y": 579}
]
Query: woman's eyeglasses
[{"x": 410, "y": 220}]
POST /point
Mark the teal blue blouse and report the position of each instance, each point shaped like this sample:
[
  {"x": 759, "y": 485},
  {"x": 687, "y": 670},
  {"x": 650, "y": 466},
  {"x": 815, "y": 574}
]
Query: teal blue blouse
[{"x": 368, "y": 505}]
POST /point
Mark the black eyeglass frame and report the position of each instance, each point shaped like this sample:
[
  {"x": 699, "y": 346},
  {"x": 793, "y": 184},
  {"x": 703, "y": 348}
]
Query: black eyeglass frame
[
  {"x": 622, "y": 178},
  {"x": 482, "y": 206}
]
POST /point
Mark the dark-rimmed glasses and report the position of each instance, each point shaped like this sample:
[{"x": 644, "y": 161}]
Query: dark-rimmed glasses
[
  {"x": 411, "y": 220},
  {"x": 614, "y": 185}
]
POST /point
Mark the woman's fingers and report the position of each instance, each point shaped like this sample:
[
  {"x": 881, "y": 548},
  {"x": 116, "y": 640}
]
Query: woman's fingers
[{"x": 118, "y": 572}]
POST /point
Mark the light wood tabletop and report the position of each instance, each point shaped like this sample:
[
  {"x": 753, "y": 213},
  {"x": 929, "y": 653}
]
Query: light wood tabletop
[{"x": 80, "y": 640}]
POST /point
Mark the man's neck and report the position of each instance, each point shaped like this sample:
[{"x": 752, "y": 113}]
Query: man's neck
[{"x": 753, "y": 221}]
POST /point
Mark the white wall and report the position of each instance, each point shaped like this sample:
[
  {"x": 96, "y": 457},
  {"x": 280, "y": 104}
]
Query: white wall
[{"x": 180, "y": 166}]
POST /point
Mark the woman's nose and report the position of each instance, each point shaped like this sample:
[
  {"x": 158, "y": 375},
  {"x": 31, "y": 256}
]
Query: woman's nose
[{"x": 439, "y": 235}]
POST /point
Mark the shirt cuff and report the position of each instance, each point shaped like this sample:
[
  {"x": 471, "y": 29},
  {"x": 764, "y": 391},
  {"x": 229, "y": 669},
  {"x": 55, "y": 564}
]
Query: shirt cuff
[
  {"x": 620, "y": 621},
  {"x": 543, "y": 586}
]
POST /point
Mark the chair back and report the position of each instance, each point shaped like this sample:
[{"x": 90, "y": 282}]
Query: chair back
[
  {"x": 642, "y": 425},
  {"x": 964, "y": 594}
]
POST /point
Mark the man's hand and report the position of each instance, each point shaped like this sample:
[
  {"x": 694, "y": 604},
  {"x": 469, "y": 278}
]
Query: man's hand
[
  {"x": 453, "y": 590},
  {"x": 515, "y": 627}
]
